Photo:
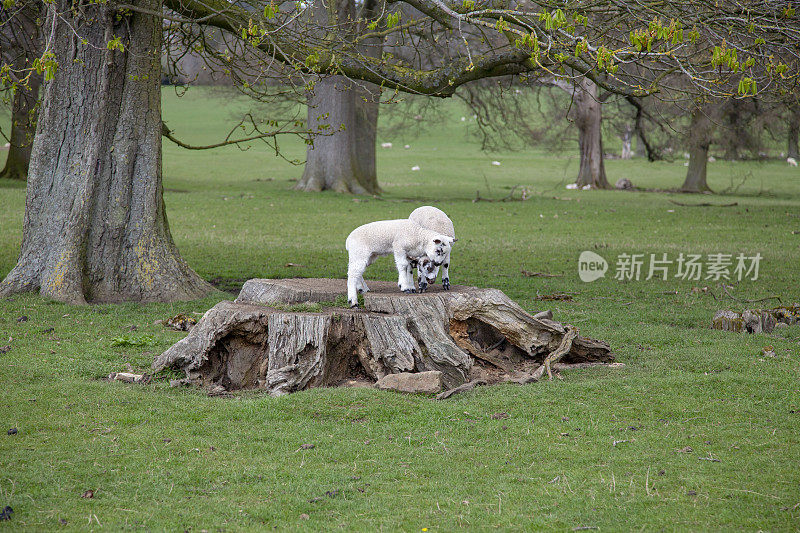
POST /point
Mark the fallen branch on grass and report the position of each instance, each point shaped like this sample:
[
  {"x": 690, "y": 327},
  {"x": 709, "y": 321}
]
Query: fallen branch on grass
[
  {"x": 461, "y": 388},
  {"x": 704, "y": 204},
  {"x": 529, "y": 274},
  {"x": 562, "y": 350},
  {"x": 560, "y": 296},
  {"x": 732, "y": 297},
  {"x": 509, "y": 198}
]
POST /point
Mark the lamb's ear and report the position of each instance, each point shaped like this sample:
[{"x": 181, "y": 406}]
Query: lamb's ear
[{"x": 455, "y": 239}]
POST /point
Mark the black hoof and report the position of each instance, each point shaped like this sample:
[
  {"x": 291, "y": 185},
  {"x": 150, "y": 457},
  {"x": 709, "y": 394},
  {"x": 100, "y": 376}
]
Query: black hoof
[
  {"x": 353, "y": 306},
  {"x": 446, "y": 284},
  {"x": 423, "y": 287},
  {"x": 410, "y": 291}
]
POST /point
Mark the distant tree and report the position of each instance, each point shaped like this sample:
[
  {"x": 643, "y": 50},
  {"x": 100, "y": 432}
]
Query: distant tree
[
  {"x": 345, "y": 160},
  {"x": 20, "y": 46},
  {"x": 699, "y": 141},
  {"x": 793, "y": 132},
  {"x": 589, "y": 120},
  {"x": 506, "y": 113},
  {"x": 586, "y": 112},
  {"x": 741, "y": 127}
]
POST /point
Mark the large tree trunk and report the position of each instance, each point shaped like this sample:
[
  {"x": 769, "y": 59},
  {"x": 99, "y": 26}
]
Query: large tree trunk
[
  {"x": 793, "y": 134},
  {"x": 344, "y": 161},
  {"x": 589, "y": 119},
  {"x": 95, "y": 226},
  {"x": 734, "y": 137},
  {"x": 699, "y": 142},
  {"x": 20, "y": 45}
]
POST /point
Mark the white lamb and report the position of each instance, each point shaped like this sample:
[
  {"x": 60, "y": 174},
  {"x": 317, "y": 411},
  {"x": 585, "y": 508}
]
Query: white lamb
[
  {"x": 404, "y": 239},
  {"x": 433, "y": 219}
]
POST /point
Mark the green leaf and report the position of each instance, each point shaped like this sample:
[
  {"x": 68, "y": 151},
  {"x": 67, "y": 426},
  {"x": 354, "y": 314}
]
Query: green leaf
[
  {"x": 393, "y": 19},
  {"x": 115, "y": 44}
]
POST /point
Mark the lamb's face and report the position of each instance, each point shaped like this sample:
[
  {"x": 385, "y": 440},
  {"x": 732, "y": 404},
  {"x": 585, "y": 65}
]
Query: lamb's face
[
  {"x": 428, "y": 270},
  {"x": 437, "y": 249}
]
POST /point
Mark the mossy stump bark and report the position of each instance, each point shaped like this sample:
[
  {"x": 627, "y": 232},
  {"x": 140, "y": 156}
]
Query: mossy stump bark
[{"x": 272, "y": 339}]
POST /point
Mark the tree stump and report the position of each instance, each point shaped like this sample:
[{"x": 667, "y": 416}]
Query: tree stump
[{"x": 272, "y": 338}]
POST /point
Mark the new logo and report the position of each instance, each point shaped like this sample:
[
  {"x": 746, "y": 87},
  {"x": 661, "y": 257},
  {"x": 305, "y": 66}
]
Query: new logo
[{"x": 591, "y": 266}]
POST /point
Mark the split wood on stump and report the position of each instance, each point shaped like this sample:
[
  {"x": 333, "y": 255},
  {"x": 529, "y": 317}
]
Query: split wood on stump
[{"x": 265, "y": 340}]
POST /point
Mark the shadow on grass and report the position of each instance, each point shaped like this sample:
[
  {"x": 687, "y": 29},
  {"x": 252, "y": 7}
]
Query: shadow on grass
[{"x": 229, "y": 285}]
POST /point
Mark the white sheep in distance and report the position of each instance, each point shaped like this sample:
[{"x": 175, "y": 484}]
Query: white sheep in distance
[
  {"x": 434, "y": 219},
  {"x": 404, "y": 239}
]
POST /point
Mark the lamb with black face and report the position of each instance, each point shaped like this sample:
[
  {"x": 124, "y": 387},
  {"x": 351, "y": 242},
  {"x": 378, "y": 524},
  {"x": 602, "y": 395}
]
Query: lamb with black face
[
  {"x": 434, "y": 219},
  {"x": 426, "y": 270}
]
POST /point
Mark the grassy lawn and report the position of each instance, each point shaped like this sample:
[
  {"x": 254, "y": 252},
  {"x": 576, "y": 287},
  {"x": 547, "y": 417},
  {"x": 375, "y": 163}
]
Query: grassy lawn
[{"x": 599, "y": 448}]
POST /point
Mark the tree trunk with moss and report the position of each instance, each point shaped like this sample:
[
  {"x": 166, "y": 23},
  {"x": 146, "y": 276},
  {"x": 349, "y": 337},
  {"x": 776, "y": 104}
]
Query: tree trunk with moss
[
  {"x": 699, "y": 142},
  {"x": 95, "y": 227},
  {"x": 589, "y": 120}
]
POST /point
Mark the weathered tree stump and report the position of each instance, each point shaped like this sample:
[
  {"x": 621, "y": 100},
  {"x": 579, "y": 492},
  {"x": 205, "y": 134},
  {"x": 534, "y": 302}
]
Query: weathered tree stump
[{"x": 269, "y": 338}]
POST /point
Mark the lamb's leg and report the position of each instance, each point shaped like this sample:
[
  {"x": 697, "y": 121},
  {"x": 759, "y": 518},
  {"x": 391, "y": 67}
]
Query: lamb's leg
[
  {"x": 422, "y": 277},
  {"x": 405, "y": 276},
  {"x": 355, "y": 271},
  {"x": 446, "y": 273},
  {"x": 362, "y": 285}
]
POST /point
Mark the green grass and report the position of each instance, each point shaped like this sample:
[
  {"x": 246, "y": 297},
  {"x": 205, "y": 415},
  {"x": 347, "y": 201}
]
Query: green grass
[{"x": 164, "y": 459}]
